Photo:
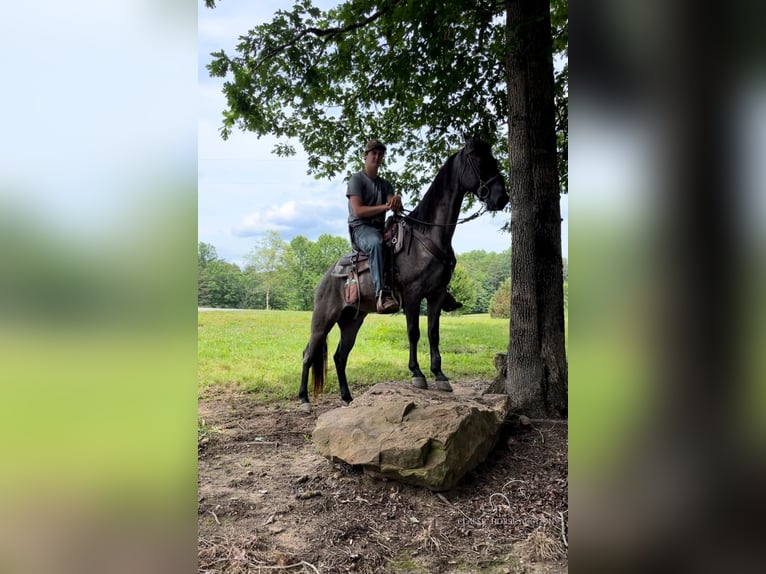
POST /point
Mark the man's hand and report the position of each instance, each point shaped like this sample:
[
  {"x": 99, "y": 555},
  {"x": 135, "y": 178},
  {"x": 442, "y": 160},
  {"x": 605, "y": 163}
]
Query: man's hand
[{"x": 394, "y": 203}]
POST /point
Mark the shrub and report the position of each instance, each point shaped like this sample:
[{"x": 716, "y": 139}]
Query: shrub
[{"x": 500, "y": 304}]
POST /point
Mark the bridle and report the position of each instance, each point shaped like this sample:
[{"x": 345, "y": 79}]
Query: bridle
[
  {"x": 483, "y": 190},
  {"x": 482, "y": 193}
]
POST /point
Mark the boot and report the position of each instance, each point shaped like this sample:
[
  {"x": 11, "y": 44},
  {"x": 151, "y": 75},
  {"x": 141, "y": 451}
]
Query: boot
[
  {"x": 450, "y": 304},
  {"x": 386, "y": 303}
]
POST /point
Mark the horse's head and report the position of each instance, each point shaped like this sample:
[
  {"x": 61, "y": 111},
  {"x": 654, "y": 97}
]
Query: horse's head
[{"x": 482, "y": 176}]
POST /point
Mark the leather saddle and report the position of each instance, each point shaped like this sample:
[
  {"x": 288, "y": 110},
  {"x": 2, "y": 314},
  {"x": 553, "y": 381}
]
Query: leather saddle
[{"x": 395, "y": 234}]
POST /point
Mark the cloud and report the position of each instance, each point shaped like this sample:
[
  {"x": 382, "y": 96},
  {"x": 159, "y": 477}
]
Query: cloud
[{"x": 308, "y": 217}]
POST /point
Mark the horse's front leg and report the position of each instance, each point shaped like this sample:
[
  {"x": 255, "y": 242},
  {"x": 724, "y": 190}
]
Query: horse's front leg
[
  {"x": 434, "y": 314},
  {"x": 412, "y": 312}
]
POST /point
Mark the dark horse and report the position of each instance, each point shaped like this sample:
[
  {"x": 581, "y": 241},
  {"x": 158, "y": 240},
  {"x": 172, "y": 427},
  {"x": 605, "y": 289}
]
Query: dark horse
[{"x": 423, "y": 270}]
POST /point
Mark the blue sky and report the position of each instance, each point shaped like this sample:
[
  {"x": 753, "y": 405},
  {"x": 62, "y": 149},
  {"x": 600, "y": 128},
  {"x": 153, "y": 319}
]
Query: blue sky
[{"x": 245, "y": 191}]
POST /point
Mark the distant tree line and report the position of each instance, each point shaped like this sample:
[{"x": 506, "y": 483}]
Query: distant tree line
[
  {"x": 276, "y": 274},
  {"x": 283, "y": 275}
]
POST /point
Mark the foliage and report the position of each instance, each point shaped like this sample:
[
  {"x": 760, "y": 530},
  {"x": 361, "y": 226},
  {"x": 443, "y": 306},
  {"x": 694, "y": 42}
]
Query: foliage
[
  {"x": 205, "y": 254},
  {"x": 464, "y": 288},
  {"x": 279, "y": 275},
  {"x": 500, "y": 304},
  {"x": 416, "y": 74},
  {"x": 560, "y": 33},
  {"x": 290, "y": 272},
  {"x": 305, "y": 263},
  {"x": 267, "y": 260},
  {"x": 300, "y": 278},
  {"x": 219, "y": 283},
  {"x": 489, "y": 270}
]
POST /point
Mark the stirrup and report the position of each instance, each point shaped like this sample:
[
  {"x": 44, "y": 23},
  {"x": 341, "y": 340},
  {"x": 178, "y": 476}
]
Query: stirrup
[{"x": 386, "y": 303}]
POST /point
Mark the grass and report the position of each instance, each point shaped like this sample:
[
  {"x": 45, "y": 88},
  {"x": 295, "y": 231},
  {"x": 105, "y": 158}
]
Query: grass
[
  {"x": 404, "y": 562},
  {"x": 261, "y": 351}
]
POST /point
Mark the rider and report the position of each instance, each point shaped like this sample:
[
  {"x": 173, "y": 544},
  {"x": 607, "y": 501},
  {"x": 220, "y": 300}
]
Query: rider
[{"x": 369, "y": 198}]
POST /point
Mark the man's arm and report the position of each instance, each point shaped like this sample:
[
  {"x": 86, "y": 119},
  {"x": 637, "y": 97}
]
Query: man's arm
[{"x": 366, "y": 211}]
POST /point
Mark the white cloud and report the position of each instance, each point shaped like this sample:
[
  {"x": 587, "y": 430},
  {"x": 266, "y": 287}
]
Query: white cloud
[{"x": 295, "y": 217}]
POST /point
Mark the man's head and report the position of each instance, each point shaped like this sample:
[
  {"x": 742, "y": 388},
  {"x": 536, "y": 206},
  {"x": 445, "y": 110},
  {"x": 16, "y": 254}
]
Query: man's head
[{"x": 374, "y": 145}]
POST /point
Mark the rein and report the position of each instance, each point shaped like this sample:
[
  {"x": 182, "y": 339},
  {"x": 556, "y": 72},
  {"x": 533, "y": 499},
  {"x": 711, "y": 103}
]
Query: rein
[
  {"x": 482, "y": 193},
  {"x": 408, "y": 217}
]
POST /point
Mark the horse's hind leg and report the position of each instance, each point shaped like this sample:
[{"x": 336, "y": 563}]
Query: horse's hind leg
[
  {"x": 314, "y": 357},
  {"x": 349, "y": 325},
  {"x": 303, "y": 393}
]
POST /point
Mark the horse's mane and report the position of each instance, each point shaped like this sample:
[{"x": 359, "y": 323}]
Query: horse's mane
[{"x": 424, "y": 211}]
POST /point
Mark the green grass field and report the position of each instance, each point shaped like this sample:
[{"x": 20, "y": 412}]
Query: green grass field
[{"x": 261, "y": 351}]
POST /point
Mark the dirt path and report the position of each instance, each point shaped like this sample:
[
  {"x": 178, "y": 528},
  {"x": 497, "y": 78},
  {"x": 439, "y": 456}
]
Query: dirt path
[{"x": 267, "y": 499}]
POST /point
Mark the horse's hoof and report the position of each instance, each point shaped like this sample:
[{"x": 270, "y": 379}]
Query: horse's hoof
[
  {"x": 419, "y": 382},
  {"x": 305, "y": 408},
  {"x": 443, "y": 386}
]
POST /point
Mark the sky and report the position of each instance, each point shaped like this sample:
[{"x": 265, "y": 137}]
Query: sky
[{"x": 245, "y": 191}]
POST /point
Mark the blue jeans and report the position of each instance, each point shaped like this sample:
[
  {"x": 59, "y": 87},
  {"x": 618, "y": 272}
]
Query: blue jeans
[{"x": 370, "y": 240}]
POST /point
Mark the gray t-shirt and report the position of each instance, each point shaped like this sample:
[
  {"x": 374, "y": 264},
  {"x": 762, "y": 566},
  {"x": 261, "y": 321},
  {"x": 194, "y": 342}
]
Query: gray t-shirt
[{"x": 373, "y": 192}]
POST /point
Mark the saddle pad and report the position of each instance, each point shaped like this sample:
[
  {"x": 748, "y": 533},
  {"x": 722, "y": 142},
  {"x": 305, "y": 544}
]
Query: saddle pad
[
  {"x": 346, "y": 264},
  {"x": 349, "y": 259}
]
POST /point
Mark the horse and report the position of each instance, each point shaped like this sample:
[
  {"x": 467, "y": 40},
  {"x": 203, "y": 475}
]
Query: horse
[{"x": 423, "y": 269}]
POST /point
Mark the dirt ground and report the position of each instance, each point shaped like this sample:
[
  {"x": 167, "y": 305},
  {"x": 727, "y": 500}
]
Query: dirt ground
[{"x": 268, "y": 502}]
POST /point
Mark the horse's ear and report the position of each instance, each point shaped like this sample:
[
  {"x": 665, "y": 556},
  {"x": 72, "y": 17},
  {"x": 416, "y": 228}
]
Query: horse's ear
[{"x": 468, "y": 140}]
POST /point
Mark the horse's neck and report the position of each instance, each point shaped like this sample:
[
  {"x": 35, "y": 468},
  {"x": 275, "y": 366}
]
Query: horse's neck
[{"x": 446, "y": 211}]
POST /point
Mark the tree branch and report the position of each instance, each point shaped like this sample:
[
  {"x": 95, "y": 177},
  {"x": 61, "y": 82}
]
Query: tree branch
[{"x": 320, "y": 32}]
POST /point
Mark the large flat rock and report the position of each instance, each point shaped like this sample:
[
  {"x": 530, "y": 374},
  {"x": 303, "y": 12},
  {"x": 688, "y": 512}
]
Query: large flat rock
[{"x": 425, "y": 437}]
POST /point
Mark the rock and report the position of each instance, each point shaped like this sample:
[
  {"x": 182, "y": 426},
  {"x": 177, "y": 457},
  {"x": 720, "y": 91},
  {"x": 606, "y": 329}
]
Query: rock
[{"x": 422, "y": 437}]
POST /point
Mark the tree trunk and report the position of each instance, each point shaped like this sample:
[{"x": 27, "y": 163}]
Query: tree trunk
[{"x": 537, "y": 375}]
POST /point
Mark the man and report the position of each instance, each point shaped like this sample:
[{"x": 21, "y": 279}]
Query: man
[{"x": 369, "y": 198}]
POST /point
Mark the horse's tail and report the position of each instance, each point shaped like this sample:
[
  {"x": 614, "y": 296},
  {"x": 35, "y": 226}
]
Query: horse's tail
[{"x": 319, "y": 369}]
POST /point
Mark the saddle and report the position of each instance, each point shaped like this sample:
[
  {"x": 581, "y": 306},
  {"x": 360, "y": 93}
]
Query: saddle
[{"x": 395, "y": 234}]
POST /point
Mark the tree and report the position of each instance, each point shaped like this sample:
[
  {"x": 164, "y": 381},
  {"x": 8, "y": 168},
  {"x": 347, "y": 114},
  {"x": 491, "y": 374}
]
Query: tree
[
  {"x": 489, "y": 270},
  {"x": 418, "y": 75},
  {"x": 301, "y": 280},
  {"x": 500, "y": 304},
  {"x": 205, "y": 254},
  {"x": 326, "y": 251},
  {"x": 267, "y": 259},
  {"x": 305, "y": 263},
  {"x": 537, "y": 373},
  {"x": 464, "y": 289},
  {"x": 221, "y": 285}
]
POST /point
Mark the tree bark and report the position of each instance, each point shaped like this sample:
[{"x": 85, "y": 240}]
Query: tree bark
[{"x": 537, "y": 375}]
